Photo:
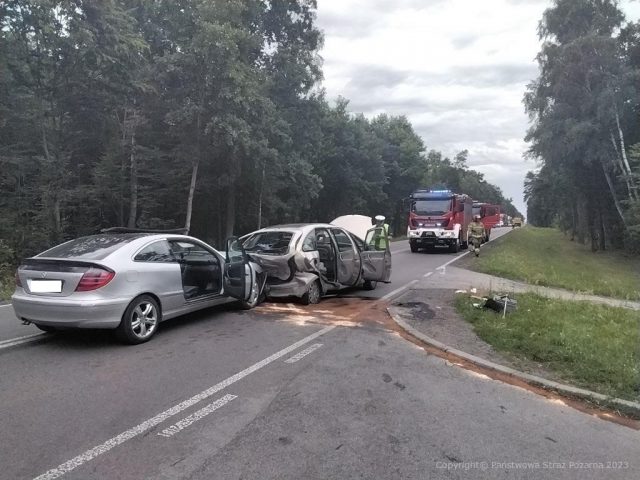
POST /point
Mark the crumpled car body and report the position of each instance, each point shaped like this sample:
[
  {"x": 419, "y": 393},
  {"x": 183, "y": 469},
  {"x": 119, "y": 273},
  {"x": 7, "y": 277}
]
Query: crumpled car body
[{"x": 295, "y": 256}]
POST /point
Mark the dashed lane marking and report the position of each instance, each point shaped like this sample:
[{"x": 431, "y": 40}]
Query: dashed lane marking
[
  {"x": 194, "y": 417},
  {"x": 395, "y": 292},
  {"x": 12, "y": 342},
  {"x": 98, "y": 450},
  {"x": 303, "y": 353}
]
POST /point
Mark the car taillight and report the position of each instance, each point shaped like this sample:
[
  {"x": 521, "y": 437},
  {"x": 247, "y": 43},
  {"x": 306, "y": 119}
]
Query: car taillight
[
  {"x": 93, "y": 279},
  {"x": 18, "y": 281}
]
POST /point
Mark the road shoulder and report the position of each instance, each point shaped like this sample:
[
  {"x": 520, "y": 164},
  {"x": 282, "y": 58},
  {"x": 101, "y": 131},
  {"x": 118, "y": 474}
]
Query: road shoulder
[{"x": 429, "y": 315}]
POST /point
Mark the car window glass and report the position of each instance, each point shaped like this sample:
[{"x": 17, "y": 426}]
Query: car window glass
[
  {"x": 94, "y": 247},
  {"x": 156, "y": 252},
  {"x": 309, "y": 244},
  {"x": 274, "y": 242},
  {"x": 191, "y": 252},
  {"x": 359, "y": 243},
  {"x": 343, "y": 240}
]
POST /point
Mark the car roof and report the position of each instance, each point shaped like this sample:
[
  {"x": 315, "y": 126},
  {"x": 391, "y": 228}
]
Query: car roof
[
  {"x": 296, "y": 226},
  {"x": 102, "y": 245}
]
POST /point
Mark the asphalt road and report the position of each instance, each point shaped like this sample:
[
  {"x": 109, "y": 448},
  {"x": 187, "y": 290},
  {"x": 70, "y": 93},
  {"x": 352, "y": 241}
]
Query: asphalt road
[{"x": 283, "y": 392}]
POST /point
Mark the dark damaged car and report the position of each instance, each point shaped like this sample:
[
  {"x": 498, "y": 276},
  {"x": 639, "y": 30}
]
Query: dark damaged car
[{"x": 310, "y": 260}]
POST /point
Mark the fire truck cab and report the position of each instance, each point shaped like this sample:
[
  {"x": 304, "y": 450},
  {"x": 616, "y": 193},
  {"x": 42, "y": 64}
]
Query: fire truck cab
[{"x": 439, "y": 218}]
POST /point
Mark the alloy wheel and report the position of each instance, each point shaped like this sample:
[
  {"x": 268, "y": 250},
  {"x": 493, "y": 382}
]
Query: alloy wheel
[{"x": 144, "y": 320}]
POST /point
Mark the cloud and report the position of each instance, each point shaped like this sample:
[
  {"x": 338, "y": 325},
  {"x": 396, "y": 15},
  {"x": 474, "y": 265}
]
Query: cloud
[
  {"x": 464, "y": 40},
  {"x": 458, "y": 69}
]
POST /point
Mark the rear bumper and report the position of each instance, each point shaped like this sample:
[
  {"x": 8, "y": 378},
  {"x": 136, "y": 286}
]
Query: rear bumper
[{"x": 69, "y": 313}]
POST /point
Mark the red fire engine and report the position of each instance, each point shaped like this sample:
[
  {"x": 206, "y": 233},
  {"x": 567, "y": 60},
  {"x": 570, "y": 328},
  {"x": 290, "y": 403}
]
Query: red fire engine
[
  {"x": 489, "y": 216},
  {"x": 439, "y": 218}
]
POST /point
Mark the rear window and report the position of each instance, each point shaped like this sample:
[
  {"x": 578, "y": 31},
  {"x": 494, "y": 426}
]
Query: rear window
[
  {"x": 270, "y": 243},
  {"x": 94, "y": 247}
]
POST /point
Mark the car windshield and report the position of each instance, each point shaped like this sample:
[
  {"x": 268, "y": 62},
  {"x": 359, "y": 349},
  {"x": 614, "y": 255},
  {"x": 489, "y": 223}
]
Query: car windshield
[
  {"x": 94, "y": 247},
  {"x": 431, "y": 207},
  {"x": 271, "y": 243}
]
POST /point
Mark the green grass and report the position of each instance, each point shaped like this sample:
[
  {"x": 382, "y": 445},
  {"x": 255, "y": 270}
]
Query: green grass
[
  {"x": 591, "y": 346},
  {"x": 544, "y": 256}
]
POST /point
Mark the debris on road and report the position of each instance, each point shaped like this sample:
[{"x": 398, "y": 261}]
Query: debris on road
[{"x": 501, "y": 304}]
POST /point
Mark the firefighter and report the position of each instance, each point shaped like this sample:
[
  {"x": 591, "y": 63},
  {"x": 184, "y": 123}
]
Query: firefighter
[
  {"x": 475, "y": 234},
  {"x": 382, "y": 233}
]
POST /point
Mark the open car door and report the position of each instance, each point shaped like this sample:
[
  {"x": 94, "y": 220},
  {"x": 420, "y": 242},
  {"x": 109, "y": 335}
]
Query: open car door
[
  {"x": 237, "y": 272},
  {"x": 376, "y": 257}
]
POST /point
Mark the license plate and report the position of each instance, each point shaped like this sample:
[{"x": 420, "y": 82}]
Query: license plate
[{"x": 45, "y": 286}]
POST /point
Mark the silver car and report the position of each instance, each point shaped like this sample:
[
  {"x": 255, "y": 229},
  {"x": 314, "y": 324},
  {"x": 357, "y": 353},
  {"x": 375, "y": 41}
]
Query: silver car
[
  {"x": 310, "y": 260},
  {"x": 131, "y": 282}
]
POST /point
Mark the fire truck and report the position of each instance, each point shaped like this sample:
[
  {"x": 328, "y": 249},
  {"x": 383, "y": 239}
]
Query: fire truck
[
  {"x": 489, "y": 216},
  {"x": 439, "y": 218}
]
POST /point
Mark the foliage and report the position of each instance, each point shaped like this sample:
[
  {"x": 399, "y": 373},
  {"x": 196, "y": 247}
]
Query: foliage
[
  {"x": 584, "y": 110},
  {"x": 591, "y": 346},
  {"x": 544, "y": 256},
  {"x": 164, "y": 113},
  {"x": 456, "y": 176}
]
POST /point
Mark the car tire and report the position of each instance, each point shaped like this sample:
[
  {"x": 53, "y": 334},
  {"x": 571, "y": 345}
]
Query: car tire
[
  {"x": 414, "y": 247},
  {"x": 369, "y": 285},
  {"x": 254, "y": 297},
  {"x": 313, "y": 294},
  {"x": 46, "y": 328},
  {"x": 140, "y": 320}
]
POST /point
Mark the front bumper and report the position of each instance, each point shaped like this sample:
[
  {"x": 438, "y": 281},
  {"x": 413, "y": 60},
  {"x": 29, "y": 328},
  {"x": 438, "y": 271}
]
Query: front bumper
[
  {"x": 65, "y": 312},
  {"x": 432, "y": 236}
]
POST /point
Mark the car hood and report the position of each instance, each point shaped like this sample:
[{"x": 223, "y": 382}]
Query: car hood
[{"x": 358, "y": 225}]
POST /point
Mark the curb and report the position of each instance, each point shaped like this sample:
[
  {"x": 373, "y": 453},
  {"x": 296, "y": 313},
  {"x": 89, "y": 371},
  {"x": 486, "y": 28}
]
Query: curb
[{"x": 626, "y": 406}]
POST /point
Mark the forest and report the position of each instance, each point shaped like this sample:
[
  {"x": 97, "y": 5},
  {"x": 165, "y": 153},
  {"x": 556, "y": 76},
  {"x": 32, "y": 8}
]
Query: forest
[
  {"x": 585, "y": 131},
  {"x": 207, "y": 115}
]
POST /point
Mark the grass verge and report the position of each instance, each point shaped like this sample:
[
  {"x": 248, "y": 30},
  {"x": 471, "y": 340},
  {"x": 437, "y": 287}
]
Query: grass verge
[
  {"x": 590, "y": 346},
  {"x": 544, "y": 256}
]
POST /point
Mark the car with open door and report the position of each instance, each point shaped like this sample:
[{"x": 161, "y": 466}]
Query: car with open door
[
  {"x": 310, "y": 260},
  {"x": 131, "y": 281}
]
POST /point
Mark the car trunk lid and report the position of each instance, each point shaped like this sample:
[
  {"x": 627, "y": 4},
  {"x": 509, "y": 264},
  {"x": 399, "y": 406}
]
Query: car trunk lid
[{"x": 60, "y": 278}]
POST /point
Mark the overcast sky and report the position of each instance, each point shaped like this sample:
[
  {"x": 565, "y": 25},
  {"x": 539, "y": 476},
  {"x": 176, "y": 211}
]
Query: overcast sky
[{"x": 456, "y": 68}]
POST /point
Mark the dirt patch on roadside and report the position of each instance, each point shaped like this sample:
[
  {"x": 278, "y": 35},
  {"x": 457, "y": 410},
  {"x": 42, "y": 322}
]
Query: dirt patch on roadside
[
  {"x": 435, "y": 316},
  {"x": 432, "y": 312}
]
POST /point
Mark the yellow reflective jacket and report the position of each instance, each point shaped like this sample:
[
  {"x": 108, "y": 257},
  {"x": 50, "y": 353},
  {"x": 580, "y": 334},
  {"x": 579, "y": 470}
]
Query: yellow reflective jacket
[{"x": 476, "y": 229}]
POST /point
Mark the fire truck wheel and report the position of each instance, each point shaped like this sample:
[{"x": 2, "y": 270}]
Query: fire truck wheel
[
  {"x": 455, "y": 246},
  {"x": 413, "y": 246}
]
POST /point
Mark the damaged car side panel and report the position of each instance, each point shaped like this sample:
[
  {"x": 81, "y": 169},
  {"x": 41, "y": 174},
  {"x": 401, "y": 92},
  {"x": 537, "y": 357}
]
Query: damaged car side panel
[{"x": 303, "y": 258}]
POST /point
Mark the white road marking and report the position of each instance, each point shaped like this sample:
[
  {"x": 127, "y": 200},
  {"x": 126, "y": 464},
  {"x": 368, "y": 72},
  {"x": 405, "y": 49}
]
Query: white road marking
[
  {"x": 444, "y": 265},
  {"x": 398, "y": 290},
  {"x": 194, "y": 417},
  {"x": 12, "y": 342},
  {"x": 427, "y": 275},
  {"x": 7, "y": 305},
  {"x": 303, "y": 353},
  {"x": 161, "y": 417}
]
